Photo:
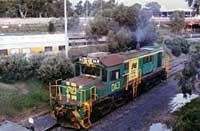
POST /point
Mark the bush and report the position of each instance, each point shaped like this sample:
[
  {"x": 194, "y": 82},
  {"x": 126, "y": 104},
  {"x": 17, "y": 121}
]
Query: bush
[
  {"x": 52, "y": 28},
  {"x": 36, "y": 61},
  {"x": 41, "y": 66},
  {"x": 188, "y": 117},
  {"x": 178, "y": 45},
  {"x": 55, "y": 67},
  {"x": 14, "y": 68},
  {"x": 176, "y": 51}
]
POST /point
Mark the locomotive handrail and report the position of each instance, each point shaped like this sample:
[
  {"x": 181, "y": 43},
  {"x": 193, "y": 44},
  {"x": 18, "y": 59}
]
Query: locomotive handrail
[
  {"x": 140, "y": 76},
  {"x": 58, "y": 92},
  {"x": 166, "y": 64}
]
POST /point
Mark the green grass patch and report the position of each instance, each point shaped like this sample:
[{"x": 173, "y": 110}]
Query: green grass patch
[
  {"x": 13, "y": 101},
  {"x": 188, "y": 117}
]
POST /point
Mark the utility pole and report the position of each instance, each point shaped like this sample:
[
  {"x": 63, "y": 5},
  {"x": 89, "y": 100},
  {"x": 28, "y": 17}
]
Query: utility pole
[
  {"x": 101, "y": 7},
  {"x": 86, "y": 18},
  {"x": 66, "y": 31}
]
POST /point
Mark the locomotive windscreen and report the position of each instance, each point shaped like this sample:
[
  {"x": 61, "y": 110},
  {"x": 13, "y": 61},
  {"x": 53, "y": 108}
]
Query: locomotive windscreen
[{"x": 91, "y": 70}]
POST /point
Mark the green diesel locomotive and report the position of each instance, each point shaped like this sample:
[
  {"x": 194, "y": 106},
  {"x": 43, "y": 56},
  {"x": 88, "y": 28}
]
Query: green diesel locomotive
[{"x": 105, "y": 81}]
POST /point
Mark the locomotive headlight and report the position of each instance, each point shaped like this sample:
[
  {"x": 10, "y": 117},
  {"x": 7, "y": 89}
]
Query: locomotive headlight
[
  {"x": 94, "y": 61},
  {"x": 30, "y": 120},
  {"x": 80, "y": 59},
  {"x": 98, "y": 61},
  {"x": 80, "y": 87}
]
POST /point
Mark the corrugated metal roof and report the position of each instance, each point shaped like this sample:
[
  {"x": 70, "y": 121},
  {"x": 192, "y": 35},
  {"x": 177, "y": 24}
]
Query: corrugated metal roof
[{"x": 111, "y": 60}]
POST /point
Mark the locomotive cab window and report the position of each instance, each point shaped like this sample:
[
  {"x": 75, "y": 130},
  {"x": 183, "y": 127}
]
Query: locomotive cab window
[
  {"x": 77, "y": 69},
  {"x": 126, "y": 67},
  {"x": 147, "y": 59},
  {"x": 104, "y": 75},
  {"x": 114, "y": 75},
  {"x": 90, "y": 70}
]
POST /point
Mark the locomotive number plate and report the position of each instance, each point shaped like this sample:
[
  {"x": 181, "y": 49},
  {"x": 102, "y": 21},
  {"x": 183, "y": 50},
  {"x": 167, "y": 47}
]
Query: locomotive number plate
[{"x": 115, "y": 86}]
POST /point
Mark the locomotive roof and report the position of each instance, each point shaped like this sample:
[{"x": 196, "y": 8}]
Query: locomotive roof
[
  {"x": 82, "y": 80},
  {"x": 116, "y": 59},
  {"x": 110, "y": 60}
]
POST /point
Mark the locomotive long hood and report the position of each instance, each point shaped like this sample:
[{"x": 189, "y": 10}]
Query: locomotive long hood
[{"x": 84, "y": 80}]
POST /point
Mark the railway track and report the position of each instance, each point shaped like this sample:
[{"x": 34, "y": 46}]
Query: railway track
[{"x": 174, "y": 67}]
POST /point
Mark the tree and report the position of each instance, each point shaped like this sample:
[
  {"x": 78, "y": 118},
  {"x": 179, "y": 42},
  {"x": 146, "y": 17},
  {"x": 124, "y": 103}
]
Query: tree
[
  {"x": 22, "y": 8},
  {"x": 73, "y": 22},
  {"x": 58, "y": 8},
  {"x": 98, "y": 27},
  {"x": 120, "y": 41},
  {"x": 87, "y": 8},
  {"x": 195, "y": 4},
  {"x": 55, "y": 67},
  {"x": 191, "y": 74},
  {"x": 154, "y": 7},
  {"x": 79, "y": 8},
  {"x": 8, "y": 9},
  {"x": 137, "y": 6},
  {"x": 133, "y": 20},
  {"x": 52, "y": 28},
  {"x": 177, "y": 45},
  {"x": 177, "y": 21}
]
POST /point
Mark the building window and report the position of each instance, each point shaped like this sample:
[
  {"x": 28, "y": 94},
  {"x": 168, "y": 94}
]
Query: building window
[
  {"x": 61, "y": 48},
  {"x": 26, "y": 51},
  {"x": 14, "y": 51},
  {"x": 114, "y": 75},
  {"x": 3, "y": 52},
  {"x": 48, "y": 48}
]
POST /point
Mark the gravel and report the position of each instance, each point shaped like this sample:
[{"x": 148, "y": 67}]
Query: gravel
[{"x": 138, "y": 115}]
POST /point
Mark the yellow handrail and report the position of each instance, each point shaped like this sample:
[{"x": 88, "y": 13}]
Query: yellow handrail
[
  {"x": 126, "y": 86},
  {"x": 140, "y": 76},
  {"x": 166, "y": 64},
  {"x": 50, "y": 93}
]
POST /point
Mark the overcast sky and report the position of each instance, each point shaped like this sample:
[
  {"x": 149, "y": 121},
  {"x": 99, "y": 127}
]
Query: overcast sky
[{"x": 166, "y": 4}]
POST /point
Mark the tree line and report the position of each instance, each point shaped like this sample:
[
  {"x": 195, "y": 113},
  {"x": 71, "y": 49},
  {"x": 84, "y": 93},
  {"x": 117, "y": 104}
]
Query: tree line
[
  {"x": 55, "y": 8},
  {"x": 49, "y": 8}
]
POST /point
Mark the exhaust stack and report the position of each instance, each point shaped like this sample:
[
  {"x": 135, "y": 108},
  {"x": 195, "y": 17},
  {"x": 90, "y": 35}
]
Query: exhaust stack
[{"x": 138, "y": 46}]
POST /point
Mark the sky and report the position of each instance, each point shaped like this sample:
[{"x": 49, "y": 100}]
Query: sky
[{"x": 165, "y": 4}]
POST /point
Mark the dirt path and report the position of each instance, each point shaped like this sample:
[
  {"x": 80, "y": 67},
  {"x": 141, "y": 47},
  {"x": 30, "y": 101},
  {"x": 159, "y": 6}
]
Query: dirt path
[{"x": 19, "y": 86}]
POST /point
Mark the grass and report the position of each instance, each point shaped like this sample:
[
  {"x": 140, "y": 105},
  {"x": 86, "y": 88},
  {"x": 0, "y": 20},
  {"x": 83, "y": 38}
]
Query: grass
[
  {"x": 188, "y": 117},
  {"x": 14, "y": 101}
]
